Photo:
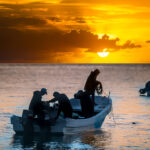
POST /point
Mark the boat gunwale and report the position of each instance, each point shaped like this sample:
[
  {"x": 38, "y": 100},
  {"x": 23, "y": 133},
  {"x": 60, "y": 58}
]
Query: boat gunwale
[{"x": 95, "y": 116}]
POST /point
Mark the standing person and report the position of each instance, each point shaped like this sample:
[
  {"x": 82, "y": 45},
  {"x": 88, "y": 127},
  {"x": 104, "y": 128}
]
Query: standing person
[
  {"x": 64, "y": 105},
  {"x": 36, "y": 105},
  {"x": 92, "y": 84}
]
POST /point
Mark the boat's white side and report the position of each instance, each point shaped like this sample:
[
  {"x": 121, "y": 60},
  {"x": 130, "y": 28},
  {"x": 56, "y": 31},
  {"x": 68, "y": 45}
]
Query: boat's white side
[
  {"x": 94, "y": 121},
  {"x": 67, "y": 125}
]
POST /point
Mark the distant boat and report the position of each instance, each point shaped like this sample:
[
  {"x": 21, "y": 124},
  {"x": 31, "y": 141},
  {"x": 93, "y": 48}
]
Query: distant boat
[
  {"x": 146, "y": 90},
  {"x": 72, "y": 125}
]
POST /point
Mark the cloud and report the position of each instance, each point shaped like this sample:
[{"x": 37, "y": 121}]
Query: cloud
[
  {"x": 129, "y": 44},
  {"x": 148, "y": 41},
  {"x": 46, "y": 44},
  {"x": 109, "y": 2},
  {"x": 55, "y": 19},
  {"x": 9, "y": 22},
  {"x": 38, "y": 32},
  {"x": 79, "y": 20},
  {"x": 91, "y": 42},
  {"x": 41, "y": 14}
]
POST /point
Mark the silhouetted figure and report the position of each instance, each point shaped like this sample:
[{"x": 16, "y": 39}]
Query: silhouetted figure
[
  {"x": 36, "y": 104},
  {"x": 92, "y": 84},
  {"x": 64, "y": 105},
  {"x": 146, "y": 89},
  {"x": 86, "y": 102}
]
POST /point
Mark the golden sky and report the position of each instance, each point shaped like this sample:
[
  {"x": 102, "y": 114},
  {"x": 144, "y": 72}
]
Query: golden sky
[{"x": 74, "y": 31}]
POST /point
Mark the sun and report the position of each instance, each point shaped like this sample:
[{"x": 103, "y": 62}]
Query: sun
[{"x": 104, "y": 53}]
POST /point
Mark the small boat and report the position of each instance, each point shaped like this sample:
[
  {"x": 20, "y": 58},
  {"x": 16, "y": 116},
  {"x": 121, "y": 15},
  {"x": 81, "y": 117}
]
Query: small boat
[
  {"x": 145, "y": 91},
  {"x": 71, "y": 125}
]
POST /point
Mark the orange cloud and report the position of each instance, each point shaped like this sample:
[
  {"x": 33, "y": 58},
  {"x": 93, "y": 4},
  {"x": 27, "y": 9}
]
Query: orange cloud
[
  {"x": 14, "y": 22},
  {"x": 110, "y": 2},
  {"x": 45, "y": 45},
  {"x": 43, "y": 31}
]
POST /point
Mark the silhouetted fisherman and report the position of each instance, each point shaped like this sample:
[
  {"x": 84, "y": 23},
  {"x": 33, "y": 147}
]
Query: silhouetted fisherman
[
  {"x": 86, "y": 102},
  {"x": 146, "y": 89},
  {"x": 92, "y": 84},
  {"x": 64, "y": 105},
  {"x": 36, "y": 105}
]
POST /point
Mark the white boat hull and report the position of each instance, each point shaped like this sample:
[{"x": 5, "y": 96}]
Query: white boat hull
[{"x": 69, "y": 125}]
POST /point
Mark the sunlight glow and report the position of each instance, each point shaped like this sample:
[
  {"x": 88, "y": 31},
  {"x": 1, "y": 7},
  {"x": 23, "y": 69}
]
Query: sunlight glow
[{"x": 103, "y": 54}]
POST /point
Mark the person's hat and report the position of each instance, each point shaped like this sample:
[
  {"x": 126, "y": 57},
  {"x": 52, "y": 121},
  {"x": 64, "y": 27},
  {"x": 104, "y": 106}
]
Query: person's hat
[{"x": 44, "y": 90}]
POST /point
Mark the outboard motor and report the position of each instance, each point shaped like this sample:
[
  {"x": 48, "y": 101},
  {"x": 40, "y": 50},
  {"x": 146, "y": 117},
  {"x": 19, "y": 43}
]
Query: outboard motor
[{"x": 26, "y": 114}]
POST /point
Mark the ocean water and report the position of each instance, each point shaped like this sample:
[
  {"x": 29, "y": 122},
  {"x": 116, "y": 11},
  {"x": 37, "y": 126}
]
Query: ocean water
[{"x": 128, "y": 127}]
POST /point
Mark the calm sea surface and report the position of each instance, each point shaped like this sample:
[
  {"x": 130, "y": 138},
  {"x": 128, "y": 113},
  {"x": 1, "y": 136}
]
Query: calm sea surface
[{"x": 18, "y": 81}]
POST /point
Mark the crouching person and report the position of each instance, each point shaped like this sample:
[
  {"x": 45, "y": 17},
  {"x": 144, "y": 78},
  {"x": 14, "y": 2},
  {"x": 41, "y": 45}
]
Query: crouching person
[
  {"x": 64, "y": 105},
  {"x": 86, "y": 102}
]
